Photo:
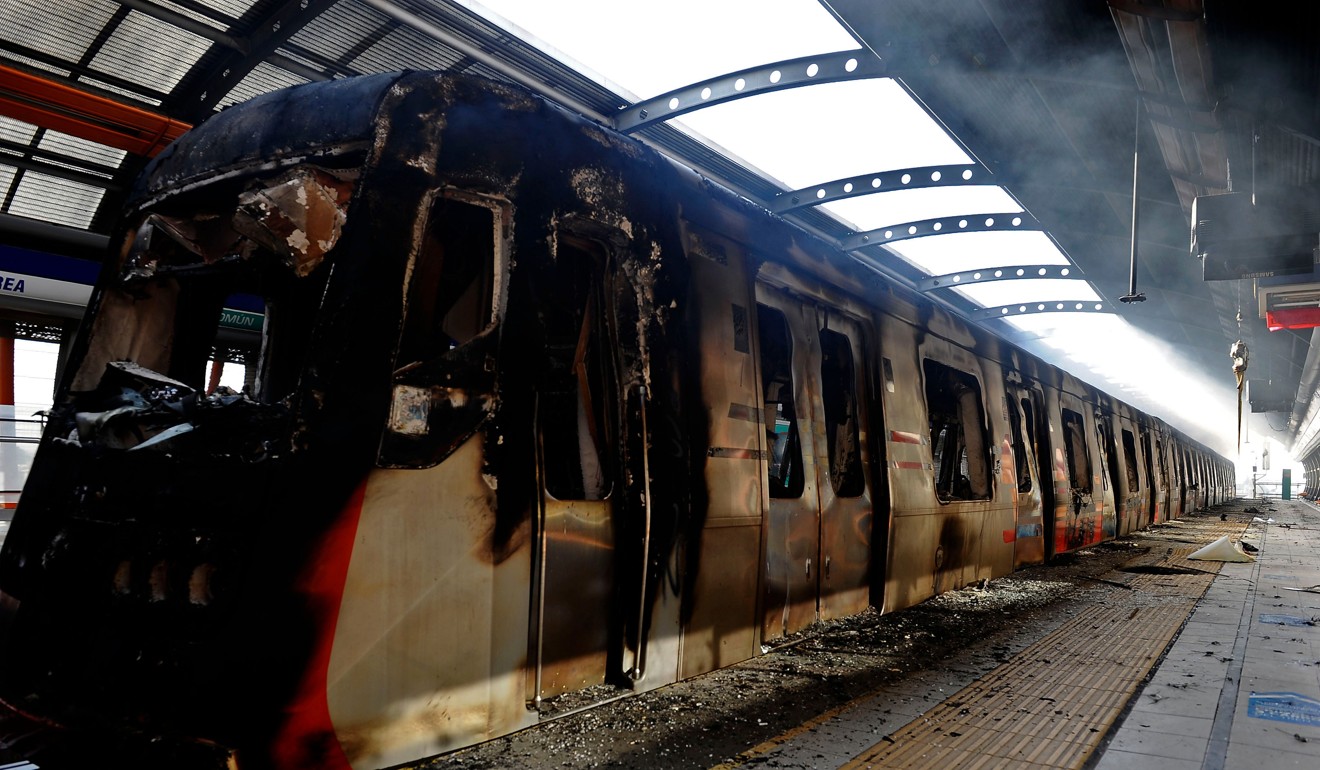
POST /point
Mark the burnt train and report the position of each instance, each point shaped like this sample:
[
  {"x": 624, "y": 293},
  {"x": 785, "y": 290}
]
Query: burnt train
[{"x": 535, "y": 409}]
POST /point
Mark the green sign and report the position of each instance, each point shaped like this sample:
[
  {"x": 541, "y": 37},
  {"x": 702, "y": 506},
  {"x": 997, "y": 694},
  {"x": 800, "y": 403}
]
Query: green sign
[
  {"x": 241, "y": 319},
  {"x": 1287, "y": 483}
]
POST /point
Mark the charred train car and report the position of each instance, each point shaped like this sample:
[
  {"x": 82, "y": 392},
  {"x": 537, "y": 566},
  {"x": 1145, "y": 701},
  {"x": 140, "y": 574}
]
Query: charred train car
[{"x": 535, "y": 409}]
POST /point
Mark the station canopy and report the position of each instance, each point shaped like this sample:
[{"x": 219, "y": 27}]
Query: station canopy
[{"x": 780, "y": 100}]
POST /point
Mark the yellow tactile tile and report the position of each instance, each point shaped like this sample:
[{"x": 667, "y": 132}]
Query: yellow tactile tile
[{"x": 1053, "y": 703}]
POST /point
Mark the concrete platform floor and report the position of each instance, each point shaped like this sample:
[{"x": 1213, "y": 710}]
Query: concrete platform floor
[
  {"x": 1239, "y": 689},
  {"x": 1220, "y": 675}
]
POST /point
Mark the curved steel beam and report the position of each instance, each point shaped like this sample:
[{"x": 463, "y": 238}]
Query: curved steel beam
[
  {"x": 1036, "y": 308},
  {"x": 211, "y": 79},
  {"x": 975, "y": 223},
  {"x": 879, "y": 182},
  {"x": 792, "y": 73},
  {"x": 1007, "y": 273}
]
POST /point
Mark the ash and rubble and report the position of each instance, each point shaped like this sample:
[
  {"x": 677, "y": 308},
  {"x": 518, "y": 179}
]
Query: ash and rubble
[
  {"x": 134, "y": 408},
  {"x": 714, "y": 718}
]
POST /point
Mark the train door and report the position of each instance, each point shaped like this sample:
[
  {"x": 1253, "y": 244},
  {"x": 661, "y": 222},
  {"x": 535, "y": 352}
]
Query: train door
[
  {"x": 1112, "y": 494},
  {"x": 1082, "y": 521},
  {"x": 819, "y": 524},
  {"x": 1034, "y": 494},
  {"x": 1186, "y": 486},
  {"x": 576, "y": 416},
  {"x": 843, "y": 469},
  {"x": 791, "y": 539},
  {"x": 721, "y": 623},
  {"x": 1156, "y": 489},
  {"x": 1134, "y": 508}
]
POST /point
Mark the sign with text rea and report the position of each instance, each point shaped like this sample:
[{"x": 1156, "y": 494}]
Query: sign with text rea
[{"x": 241, "y": 319}]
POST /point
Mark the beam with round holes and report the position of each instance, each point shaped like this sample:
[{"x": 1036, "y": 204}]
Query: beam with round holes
[
  {"x": 1007, "y": 273},
  {"x": 884, "y": 181},
  {"x": 978, "y": 223},
  {"x": 1036, "y": 308},
  {"x": 792, "y": 73}
]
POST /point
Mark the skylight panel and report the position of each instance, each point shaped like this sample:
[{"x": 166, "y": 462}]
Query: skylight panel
[
  {"x": 405, "y": 47},
  {"x": 56, "y": 200},
  {"x": 869, "y": 212},
  {"x": 967, "y": 252},
  {"x": 647, "y": 49},
  {"x": 150, "y": 52},
  {"x": 196, "y": 14},
  {"x": 6, "y": 176},
  {"x": 1032, "y": 292},
  {"x": 62, "y": 29},
  {"x": 82, "y": 149},
  {"x": 804, "y": 136},
  {"x": 797, "y": 137},
  {"x": 340, "y": 28},
  {"x": 16, "y": 131},
  {"x": 262, "y": 79},
  {"x": 234, "y": 9}
]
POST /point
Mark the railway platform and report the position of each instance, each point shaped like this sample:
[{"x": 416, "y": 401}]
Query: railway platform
[
  {"x": 1194, "y": 664},
  {"x": 1143, "y": 659},
  {"x": 1126, "y": 655}
]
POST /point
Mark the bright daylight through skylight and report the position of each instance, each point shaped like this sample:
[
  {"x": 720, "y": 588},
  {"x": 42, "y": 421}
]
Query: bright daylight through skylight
[{"x": 807, "y": 136}]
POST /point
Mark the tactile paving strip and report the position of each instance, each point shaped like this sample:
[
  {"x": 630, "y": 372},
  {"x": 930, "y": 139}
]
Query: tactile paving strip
[{"x": 1053, "y": 703}]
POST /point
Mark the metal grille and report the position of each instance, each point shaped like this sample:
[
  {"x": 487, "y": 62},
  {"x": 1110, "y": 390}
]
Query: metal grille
[
  {"x": 61, "y": 201},
  {"x": 150, "y": 52}
]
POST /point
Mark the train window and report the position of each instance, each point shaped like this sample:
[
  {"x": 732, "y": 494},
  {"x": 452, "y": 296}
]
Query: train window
[
  {"x": 785, "y": 475},
  {"x": 449, "y": 297},
  {"x": 163, "y": 313},
  {"x": 1130, "y": 460},
  {"x": 839, "y": 396},
  {"x": 957, "y": 434},
  {"x": 1021, "y": 462},
  {"x": 444, "y": 373},
  {"x": 1106, "y": 431},
  {"x": 1033, "y": 437},
  {"x": 1161, "y": 468},
  {"x": 575, "y": 394},
  {"x": 1079, "y": 459}
]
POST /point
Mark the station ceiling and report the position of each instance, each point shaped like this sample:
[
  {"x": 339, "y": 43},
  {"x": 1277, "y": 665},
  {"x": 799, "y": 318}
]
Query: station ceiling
[{"x": 1051, "y": 98}]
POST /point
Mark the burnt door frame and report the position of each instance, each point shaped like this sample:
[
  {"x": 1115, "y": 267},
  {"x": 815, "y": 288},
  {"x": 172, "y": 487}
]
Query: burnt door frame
[{"x": 791, "y": 531}]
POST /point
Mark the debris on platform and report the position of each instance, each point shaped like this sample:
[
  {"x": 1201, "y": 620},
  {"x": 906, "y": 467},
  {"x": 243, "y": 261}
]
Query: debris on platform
[{"x": 1221, "y": 550}]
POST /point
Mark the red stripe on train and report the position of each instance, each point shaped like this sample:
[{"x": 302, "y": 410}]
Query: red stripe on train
[
  {"x": 904, "y": 437},
  {"x": 308, "y": 738}
]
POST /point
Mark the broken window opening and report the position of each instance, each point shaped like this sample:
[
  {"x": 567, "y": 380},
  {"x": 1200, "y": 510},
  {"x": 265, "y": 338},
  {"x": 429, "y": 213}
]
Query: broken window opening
[
  {"x": 1109, "y": 449},
  {"x": 839, "y": 396},
  {"x": 784, "y": 467},
  {"x": 960, "y": 452},
  {"x": 1021, "y": 458},
  {"x": 1078, "y": 457},
  {"x": 450, "y": 295},
  {"x": 163, "y": 313},
  {"x": 444, "y": 387},
  {"x": 1130, "y": 459},
  {"x": 576, "y": 400}
]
